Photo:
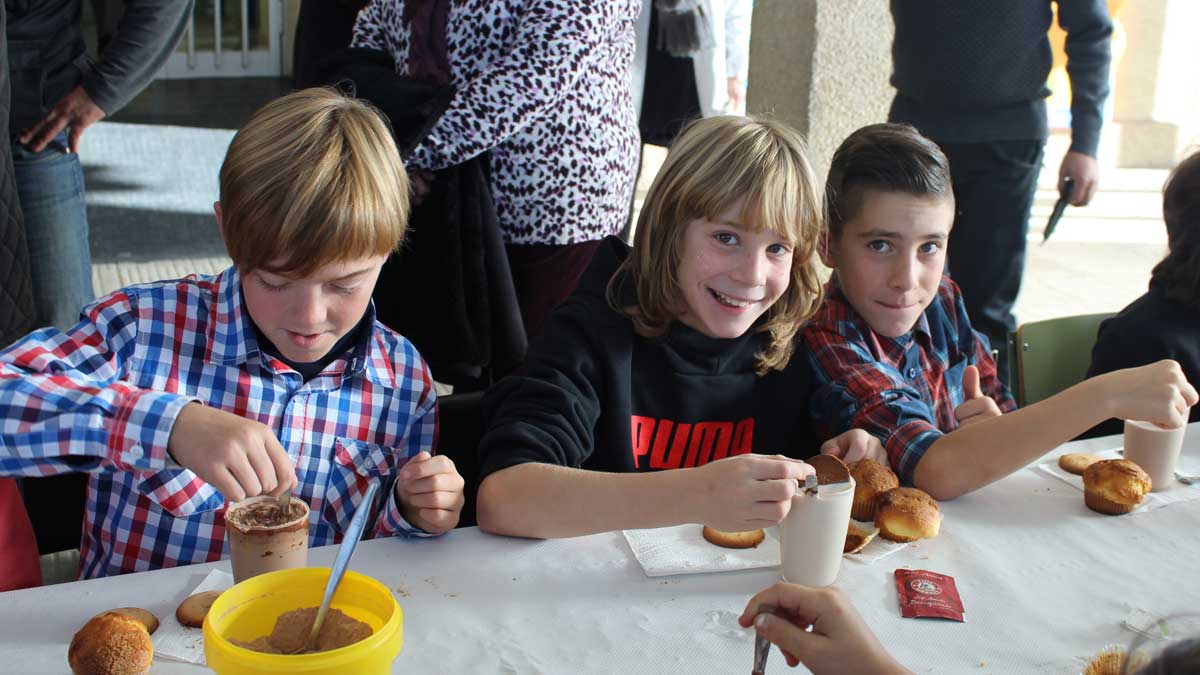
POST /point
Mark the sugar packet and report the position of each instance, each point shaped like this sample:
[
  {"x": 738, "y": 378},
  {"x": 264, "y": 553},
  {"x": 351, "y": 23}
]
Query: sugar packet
[{"x": 925, "y": 594}]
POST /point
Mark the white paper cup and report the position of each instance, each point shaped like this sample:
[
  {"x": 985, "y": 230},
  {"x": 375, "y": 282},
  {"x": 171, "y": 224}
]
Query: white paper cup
[
  {"x": 813, "y": 534},
  {"x": 1155, "y": 450},
  {"x": 256, "y": 549}
]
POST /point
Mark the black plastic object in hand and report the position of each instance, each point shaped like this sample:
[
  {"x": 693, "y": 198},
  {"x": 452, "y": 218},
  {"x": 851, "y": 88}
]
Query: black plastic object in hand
[{"x": 1064, "y": 194}]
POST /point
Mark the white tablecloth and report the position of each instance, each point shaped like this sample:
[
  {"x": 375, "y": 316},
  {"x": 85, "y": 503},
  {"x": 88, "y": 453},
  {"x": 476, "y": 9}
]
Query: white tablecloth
[{"x": 1045, "y": 583}]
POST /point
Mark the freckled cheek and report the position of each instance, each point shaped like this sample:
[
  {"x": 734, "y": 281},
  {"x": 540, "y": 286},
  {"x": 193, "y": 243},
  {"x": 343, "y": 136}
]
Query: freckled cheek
[{"x": 780, "y": 280}]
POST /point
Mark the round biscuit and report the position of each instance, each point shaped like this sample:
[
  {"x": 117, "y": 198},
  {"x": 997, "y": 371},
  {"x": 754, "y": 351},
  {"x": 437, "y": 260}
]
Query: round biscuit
[
  {"x": 1076, "y": 462},
  {"x": 748, "y": 539},
  {"x": 144, "y": 615},
  {"x": 191, "y": 611}
]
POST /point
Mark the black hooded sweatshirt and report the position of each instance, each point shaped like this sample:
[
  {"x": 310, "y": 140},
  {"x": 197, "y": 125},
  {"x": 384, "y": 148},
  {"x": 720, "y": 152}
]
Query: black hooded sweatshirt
[{"x": 595, "y": 395}]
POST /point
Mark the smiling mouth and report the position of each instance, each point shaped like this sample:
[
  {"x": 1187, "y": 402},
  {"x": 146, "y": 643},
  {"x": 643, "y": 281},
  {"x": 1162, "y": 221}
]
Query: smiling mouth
[
  {"x": 730, "y": 301},
  {"x": 304, "y": 338}
]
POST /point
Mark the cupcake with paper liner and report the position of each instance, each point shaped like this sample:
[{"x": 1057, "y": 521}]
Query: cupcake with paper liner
[
  {"x": 907, "y": 514},
  {"x": 871, "y": 479},
  {"x": 1115, "y": 660},
  {"x": 1114, "y": 486}
]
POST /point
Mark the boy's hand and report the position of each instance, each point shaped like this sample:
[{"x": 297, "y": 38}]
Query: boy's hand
[
  {"x": 747, "y": 492},
  {"x": 239, "y": 457},
  {"x": 854, "y": 445},
  {"x": 430, "y": 493},
  {"x": 1157, "y": 393},
  {"x": 840, "y": 642},
  {"x": 975, "y": 405}
]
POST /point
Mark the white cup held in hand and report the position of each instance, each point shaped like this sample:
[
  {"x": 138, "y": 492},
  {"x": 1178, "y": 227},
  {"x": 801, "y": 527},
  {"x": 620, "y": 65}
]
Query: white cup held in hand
[
  {"x": 813, "y": 534},
  {"x": 1155, "y": 450}
]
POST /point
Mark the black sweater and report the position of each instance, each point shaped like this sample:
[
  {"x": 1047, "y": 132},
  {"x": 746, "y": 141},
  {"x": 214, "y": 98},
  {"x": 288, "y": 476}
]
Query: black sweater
[
  {"x": 1151, "y": 328},
  {"x": 595, "y": 395},
  {"x": 970, "y": 71}
]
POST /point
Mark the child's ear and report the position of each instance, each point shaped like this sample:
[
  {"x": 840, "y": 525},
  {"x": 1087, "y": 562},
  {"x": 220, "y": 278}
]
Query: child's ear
[
  {"x": 220, "y": 225},
  {"x": 823, "y": 244}
]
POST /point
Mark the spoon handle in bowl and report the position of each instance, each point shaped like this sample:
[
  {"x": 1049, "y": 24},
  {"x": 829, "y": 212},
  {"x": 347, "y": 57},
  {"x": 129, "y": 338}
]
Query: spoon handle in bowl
[{"x": 349, "y": 542}]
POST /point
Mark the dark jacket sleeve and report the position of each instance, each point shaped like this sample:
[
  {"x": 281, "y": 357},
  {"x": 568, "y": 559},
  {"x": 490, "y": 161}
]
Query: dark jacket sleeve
[
  {"x": 16, "y": 289},
  {"x": 147, "y": 33},
  {"x": 547, "y": 411},
  {"x": 1116, "y": 348},
  {"x": 1089, "y": 34}
]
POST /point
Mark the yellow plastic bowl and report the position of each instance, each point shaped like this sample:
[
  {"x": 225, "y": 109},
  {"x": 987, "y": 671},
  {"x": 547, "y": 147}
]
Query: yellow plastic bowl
[{"x": 248, "y": 611}]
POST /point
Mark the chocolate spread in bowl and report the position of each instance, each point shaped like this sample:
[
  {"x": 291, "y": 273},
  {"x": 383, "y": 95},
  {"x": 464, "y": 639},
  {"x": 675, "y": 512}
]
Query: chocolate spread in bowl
[{"x": 292, "y": 629}]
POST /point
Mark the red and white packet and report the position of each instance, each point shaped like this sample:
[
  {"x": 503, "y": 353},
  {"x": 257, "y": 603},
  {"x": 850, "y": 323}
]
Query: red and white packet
[{"x": 925, "y": 594}]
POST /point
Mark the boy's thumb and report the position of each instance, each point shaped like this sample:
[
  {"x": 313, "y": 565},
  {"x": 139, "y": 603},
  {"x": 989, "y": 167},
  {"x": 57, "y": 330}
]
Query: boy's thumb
[
  {"x": 970, "y": 383},
  {"x": 786, "y": 635}
]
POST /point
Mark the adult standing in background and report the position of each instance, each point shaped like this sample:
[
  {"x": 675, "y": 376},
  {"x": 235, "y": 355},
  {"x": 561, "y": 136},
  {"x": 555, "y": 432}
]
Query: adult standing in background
[
  {"x": 16, "y": 295},
  {"x": 971, "y": 76},
  {"x": 18, "y": 547},
  {"x": 544, "y": 86},
  {"x": 58, "y": 91},
  {"x": 675, "y": 83},
  {"x": 323, "y": 28}
]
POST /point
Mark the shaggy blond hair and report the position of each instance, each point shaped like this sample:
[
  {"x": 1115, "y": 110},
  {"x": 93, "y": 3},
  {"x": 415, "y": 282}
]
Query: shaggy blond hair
[
  {"x": 715, "y": 163},
  {"x": 313, "y": 178}
]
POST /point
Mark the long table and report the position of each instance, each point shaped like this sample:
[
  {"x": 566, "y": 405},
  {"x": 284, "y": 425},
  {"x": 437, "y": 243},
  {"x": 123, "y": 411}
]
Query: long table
[{"x": 1045, "y": 583}]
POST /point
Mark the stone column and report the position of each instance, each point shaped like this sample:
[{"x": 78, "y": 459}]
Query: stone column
[
  {"x": 1156, "y": 100},
  {"x": 822, "y": 66}
]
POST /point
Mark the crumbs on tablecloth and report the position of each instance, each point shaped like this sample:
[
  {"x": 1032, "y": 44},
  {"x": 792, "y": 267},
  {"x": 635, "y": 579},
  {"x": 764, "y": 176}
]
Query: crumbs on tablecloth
[{"x": 402, "y": 591}]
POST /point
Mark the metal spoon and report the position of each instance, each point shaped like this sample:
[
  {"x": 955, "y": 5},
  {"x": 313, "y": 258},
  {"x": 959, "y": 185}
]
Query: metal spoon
[
  {"x": 285, "y": 502},
  {"x": 762, "y": 647},
  {"x": 349, "y": 542}
]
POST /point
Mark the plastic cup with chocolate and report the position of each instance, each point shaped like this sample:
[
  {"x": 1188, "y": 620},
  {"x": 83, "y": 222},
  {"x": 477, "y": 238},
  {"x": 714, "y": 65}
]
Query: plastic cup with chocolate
[{"x": 262, "y": 538}]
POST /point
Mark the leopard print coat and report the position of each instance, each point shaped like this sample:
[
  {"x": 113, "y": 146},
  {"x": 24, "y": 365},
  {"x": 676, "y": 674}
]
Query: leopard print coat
[{"x": 544, "y": 85}]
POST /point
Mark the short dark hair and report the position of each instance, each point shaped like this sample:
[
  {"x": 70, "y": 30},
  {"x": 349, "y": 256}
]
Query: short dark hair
[
  {"x": 882, "y": 158},
  {"x": 1179, "y": 273}
]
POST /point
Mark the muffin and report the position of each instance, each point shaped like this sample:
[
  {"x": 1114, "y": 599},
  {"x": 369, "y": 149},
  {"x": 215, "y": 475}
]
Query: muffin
[
  {"x": 871, "y": 479},
  {"x": 1114, "y": 660},
  {"x": 111, "y": 644},
  {"x": 1114, "y": 486},
  {"x": 907, "y": 514}
]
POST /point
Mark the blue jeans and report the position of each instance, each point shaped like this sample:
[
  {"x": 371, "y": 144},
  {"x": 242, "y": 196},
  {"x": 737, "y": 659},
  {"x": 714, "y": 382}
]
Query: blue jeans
[{"x": 50, "y": 186}]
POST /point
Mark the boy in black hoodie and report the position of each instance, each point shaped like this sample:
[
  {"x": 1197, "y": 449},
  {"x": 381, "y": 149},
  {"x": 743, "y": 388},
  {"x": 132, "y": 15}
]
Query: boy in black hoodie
[{"x": 675, "y": 354}]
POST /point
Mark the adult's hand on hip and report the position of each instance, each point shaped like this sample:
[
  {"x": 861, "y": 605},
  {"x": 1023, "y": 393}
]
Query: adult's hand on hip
[
  {"x": 1085, "y": 171},
  {"x": 76, "y": 110}
]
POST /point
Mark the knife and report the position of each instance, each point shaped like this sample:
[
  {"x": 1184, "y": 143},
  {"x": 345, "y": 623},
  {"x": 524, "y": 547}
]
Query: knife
[{"x": 1064, "y": 193}]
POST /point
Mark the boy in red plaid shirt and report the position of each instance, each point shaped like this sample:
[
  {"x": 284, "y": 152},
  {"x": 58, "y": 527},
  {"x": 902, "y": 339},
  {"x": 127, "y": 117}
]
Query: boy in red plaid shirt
[
  {"x": 892, "y": 348},
  {"x": 179, "y": 396}
]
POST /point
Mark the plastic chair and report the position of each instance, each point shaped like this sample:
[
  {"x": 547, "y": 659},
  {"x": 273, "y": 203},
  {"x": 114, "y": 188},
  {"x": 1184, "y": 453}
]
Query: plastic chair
[{"x": 1054, "y": 354}]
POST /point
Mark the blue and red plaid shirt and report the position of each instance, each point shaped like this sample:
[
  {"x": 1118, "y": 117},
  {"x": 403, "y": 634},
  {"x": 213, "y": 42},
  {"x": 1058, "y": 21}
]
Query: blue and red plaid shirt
[
  {"x": 103, "y": 397},
  {"x": 901, "y": 390}
]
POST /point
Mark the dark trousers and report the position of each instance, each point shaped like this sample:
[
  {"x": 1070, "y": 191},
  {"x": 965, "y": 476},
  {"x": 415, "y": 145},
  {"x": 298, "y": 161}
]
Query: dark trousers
[
  {"x": 994, "y": 187},
  {"x": 323, "y": 28},
  {"x": 544, "y": 275}
]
